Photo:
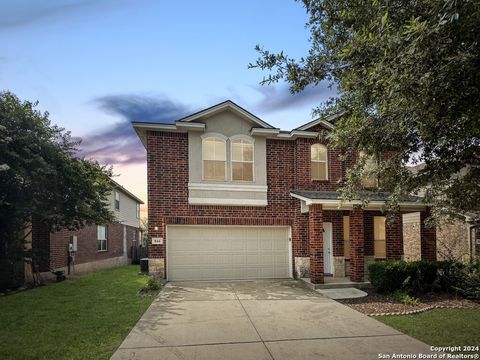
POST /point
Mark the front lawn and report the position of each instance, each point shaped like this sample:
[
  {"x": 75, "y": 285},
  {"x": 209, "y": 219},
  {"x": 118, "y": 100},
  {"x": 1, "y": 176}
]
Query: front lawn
[
  {"x": 84, "y": 318},
  {"x": 440, "y": 327}
]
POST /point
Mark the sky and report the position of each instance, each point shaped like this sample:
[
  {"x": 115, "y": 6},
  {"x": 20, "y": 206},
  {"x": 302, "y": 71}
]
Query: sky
[{"x": 97, "y": 65}]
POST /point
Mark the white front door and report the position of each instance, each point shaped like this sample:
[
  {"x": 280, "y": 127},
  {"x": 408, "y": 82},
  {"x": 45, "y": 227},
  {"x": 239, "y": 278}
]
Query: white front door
[{"x": 327, "y": 248}]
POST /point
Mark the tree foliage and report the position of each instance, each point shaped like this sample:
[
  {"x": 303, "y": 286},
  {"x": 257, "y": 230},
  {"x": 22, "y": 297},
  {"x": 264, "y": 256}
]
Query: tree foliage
[
  {"x": 408, "y": 80},
  {"x": 41, "y": 178}
]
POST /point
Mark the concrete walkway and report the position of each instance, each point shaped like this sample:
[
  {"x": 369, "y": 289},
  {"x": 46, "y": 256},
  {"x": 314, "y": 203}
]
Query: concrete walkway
[{"x": 257, "y": 320}]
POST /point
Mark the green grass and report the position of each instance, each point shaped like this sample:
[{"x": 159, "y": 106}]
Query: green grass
[
  {"x": 84, "y": 318},
  {"x": 440, "y": 327}
]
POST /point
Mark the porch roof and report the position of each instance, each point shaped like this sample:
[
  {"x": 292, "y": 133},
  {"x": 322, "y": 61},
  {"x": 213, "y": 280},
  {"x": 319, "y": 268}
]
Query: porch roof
[{"x": 376, "y": 200}]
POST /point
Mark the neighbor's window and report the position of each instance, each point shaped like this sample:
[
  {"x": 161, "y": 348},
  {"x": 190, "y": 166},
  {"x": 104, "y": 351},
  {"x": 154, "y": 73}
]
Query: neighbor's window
[
  {"x": 117, "y": 200},
  {"x": 319, "y": 162},
  {"x": 369, "y": 180},
  {"x": 102, "y": 237},
  {"x": 214, "y": 159},
  {"x": 346, "y": 237},
  {"x": 138, "y": 211},
  {"x": 379, "y": 237},
  {"x": 242, "y": 160}
]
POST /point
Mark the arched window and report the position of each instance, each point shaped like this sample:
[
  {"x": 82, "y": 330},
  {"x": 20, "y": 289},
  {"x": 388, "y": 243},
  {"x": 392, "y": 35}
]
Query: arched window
[
  {"x": 214, "y": 155},
  {"x": 242, "y": 160},
  {"x": 319, "y": 162}
]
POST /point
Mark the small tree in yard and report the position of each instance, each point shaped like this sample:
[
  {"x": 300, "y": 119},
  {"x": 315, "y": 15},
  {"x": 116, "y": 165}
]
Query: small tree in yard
[
  {"x": 407, "y": 74},
  {"x": 41, "y": 179}
]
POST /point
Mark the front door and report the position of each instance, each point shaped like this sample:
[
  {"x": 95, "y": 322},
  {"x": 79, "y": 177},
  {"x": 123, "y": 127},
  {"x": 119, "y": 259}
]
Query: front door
[{"x": 327, "y": 248}]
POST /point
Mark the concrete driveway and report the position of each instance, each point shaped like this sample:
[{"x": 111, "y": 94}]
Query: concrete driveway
[{"x": 257, "y": 320}]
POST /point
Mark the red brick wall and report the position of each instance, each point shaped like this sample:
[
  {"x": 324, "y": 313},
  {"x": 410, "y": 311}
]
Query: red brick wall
[
  {"x": 428, "y": 240},
  {"x": 315, "y": 231},
  {"x": 357, "y": 234},
  {"x": 168, "y": 191},
  {"x": 394, "y": 237},
  {"x": 56, "y": 247}
]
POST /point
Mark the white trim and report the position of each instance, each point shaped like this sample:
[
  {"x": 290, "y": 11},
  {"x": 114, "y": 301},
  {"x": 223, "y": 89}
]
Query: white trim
[
  {"x": 214, "y": 135},
  {"x": 242, "y": 137},
  {"x": 264, "y": 132},
  {"x": 190, "y": 126},
  {"x": 227, "y": 187},
  {"x": 227, "y": 202},
  {"x": 303, "y": 134},
  {"x": 337, "y": 202}
]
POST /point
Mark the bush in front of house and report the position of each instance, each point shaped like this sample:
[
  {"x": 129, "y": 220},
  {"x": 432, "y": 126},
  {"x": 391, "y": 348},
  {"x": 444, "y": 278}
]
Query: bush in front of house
[
  {"x": 389, "y": 276},
  {"x": 463, "y": 279}
]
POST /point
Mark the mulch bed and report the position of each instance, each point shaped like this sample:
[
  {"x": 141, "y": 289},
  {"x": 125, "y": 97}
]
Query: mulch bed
[{"x": 376, "y": 304}]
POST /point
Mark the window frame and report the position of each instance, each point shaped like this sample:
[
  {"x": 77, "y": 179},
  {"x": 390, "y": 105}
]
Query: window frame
[
  {"x": 374, "y": 160},
  {"x": 223, "y": 138},
  {"x": 137, "y": 210},
  {"x": 116, "y": 201},
  {"x": 101, "y": 241},
  {"x": 375, "y": 240},
  {"x": 319, "y": 161},
  {"x": 249, "y": 140}
]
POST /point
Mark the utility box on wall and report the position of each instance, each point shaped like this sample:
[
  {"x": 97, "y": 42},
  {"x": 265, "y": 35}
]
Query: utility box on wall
[{"x": 73, "y": 243}]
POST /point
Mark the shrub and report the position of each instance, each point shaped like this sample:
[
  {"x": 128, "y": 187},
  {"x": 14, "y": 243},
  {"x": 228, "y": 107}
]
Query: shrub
[
  {"x": 152, "y": 285},
  {"x": 405, "y": 299},
  {"x": 411, "y": 277},
  {"x": 462, "y": 279}
]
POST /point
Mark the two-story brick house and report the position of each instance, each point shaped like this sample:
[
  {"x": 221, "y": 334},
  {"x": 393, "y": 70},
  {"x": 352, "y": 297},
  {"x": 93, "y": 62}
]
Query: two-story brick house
[{"x": 232, "y": 197}]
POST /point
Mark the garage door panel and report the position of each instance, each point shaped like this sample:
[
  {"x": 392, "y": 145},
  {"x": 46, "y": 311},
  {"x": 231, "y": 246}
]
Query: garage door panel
[{"x": 227, "y": 252}]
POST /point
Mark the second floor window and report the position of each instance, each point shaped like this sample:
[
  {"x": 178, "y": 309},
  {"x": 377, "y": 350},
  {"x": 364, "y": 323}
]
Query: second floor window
[
  {"x": 214, "y": 159},
  {"x": 242, "y": 160},
  {"x": 117, "y": 200},
  {"x": 369, "y": 179},
  {"x": 138, "y": 211},
  {"x": 319, "y": 162}
]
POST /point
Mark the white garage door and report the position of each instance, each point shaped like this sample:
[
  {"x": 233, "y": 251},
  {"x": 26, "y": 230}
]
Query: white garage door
[{"x": 227, "y": 252}]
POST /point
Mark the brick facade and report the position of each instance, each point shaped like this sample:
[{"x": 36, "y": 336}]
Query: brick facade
[
  {"x": 288, "y": 168},
  {"x": 315, "y": 234},
  {"x": 394, "y": 237},
  {"x": 428, "y": 240},
  {"x": 357, "y": 238},
  {"x": 51, "y": 249}
]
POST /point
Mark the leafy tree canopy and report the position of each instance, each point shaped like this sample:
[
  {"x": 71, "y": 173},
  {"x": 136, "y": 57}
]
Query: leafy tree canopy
[
  {"x": 408, "y": 76},
  {"x": 41, "y": 178}
]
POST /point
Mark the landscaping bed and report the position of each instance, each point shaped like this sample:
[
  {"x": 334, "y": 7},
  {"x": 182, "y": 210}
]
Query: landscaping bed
[{"x": 380, "y": 304}]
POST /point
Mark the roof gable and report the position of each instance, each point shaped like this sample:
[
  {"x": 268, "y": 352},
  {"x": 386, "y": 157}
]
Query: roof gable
[{"x": 227, "y": 105}]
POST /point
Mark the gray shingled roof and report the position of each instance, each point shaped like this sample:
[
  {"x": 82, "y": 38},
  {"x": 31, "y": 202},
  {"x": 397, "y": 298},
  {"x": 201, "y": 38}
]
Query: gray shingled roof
[{"x": 334, "y": 195}]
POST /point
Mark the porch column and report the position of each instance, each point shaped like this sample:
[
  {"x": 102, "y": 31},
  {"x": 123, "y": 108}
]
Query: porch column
[
  {"x": 428, "y": 237},
  {"x": 315, "y": 237},
  {"x": 357, "y": 242},
  {"x": 394, "y": 237}
]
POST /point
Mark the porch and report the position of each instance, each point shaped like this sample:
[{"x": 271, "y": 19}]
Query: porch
[{"x": 339, "y": 240}]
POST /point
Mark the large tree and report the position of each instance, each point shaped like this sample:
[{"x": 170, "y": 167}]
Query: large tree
[
  {"x": 41, "y": 179},
  {"x": 408, "y": 80}
]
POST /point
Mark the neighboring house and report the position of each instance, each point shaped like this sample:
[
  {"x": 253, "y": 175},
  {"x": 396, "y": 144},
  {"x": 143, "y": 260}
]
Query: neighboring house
[
  {"x": 456, "y": 240},
  {"x": 92, "y": 247},
  {"x": 232, "y": 197}
]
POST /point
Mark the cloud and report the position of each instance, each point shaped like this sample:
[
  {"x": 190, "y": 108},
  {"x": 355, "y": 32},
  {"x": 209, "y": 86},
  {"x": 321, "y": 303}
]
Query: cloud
[
  {"x": 23, "y": 12},
  {"x": 119, "y": 144},
  {"x": 278, "y": 98}
]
